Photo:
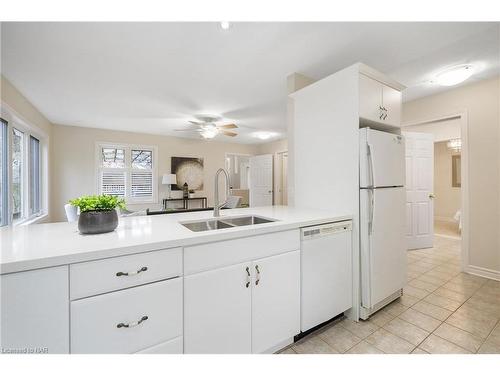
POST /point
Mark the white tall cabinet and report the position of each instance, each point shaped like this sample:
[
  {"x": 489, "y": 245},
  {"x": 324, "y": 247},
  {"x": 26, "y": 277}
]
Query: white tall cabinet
[{"x": 325, "y": 124}]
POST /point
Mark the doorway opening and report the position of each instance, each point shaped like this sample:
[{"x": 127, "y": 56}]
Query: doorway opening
[
  {"x": 238, "y": 168},
  {"x": 281, "y": 178},
  {"x": 449, "y": 206}
]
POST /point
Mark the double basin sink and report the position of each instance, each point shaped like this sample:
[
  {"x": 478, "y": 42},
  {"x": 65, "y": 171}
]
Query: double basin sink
[{"x": 225, "y": 222}]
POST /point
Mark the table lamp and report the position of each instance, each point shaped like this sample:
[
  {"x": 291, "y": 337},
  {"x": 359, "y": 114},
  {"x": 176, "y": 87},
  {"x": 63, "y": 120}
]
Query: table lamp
[{"x": 169, "y": 179}]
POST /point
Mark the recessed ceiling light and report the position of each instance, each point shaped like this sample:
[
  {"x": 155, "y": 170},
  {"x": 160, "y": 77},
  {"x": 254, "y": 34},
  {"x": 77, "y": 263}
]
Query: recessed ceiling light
[
  {"x": 455, "y": 75},
  {"x": 225, "y": 25},
  {"x": 264, "y": 135}
]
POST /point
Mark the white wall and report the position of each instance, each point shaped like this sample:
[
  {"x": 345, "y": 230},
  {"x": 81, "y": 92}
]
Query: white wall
[
  {"x": 481, "y": 102},
  {"x": 448, "y": 198},
  {"x": 74, "y": 161}
]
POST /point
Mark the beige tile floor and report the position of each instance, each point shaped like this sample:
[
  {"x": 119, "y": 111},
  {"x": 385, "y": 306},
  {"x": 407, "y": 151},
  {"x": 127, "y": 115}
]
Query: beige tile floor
[{"x": 442, "y": 311}]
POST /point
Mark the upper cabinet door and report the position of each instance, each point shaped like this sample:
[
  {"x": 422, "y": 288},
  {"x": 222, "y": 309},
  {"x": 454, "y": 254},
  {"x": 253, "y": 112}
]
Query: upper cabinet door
[
  {"x": 275, "y": 300},
  {"x": 391, "y": 101},
  {"x": 370, "y": 99},
  {"x": 217, "y": 308}
]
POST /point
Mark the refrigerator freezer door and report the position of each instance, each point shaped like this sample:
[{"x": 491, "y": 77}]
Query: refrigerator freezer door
[
  {"x": 383, "y": 251},
  {"x": 381, "y": 158}
]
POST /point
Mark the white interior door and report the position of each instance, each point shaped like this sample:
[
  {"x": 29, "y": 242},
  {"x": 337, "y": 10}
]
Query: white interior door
[
  {"x": 419, "y": 188},
  {"x": 261, "y": 180},
  {"x": 284, "y": 181}
]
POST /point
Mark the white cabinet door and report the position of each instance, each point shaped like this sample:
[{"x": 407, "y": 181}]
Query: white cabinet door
[
  {"x": 419, "y": 187},
  {"x": 275, "y": 300},
  {"x": 261, "y": 180},
  {"x": 370, "y": 98},
  {"x": 217, "y": 308},
  {"x": 391, "y": 101},
  {"x": 35, "y": 311}
]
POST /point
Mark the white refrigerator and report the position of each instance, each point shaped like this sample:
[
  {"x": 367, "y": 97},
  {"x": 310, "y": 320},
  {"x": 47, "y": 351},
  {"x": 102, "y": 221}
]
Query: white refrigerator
[{"x": 382, "y": 219}]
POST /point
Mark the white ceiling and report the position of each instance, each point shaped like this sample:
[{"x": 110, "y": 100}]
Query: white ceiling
[{"x": 153, "y": 77}]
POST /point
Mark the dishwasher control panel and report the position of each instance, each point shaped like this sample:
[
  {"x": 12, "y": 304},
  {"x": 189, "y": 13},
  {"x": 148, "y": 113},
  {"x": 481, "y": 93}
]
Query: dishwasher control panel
[{"x": 326, "y": 229}]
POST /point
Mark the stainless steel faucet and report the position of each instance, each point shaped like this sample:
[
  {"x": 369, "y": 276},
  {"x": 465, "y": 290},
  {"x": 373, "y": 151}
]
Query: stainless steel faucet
[{"x": 218, "y": 206}]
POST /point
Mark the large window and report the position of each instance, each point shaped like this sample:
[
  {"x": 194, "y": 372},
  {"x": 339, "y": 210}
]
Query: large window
[
  {"x": 18, "y": 179},
  {"x": 35, "y": 191},
  {"x": 4, "y": 174},
  {"x": 128, "y": 172},
  {"x": 20, "y": 172}
]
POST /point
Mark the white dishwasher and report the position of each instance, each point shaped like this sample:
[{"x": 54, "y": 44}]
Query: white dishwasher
[{"x": 326, "y": 274}]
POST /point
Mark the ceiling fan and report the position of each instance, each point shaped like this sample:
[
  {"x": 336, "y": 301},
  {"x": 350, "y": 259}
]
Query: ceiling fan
[{"x": 208, "y": 129}]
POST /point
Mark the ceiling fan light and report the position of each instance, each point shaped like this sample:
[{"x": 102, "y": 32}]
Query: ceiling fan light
[
  {"x": 455, "y": 75},
  {"x": 209, "y": 133},
  {"x": 225, "y": 25}
]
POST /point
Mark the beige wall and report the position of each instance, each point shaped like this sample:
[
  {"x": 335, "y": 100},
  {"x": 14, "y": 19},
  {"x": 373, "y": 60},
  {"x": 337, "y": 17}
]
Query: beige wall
[
  {"x": 272, "y": 147},
  {"x": 74, "y": 161},
  {"x": 15, "y": 100},
  {"x": 448, "y": 198},
  {"x": 481, "y": 102}
]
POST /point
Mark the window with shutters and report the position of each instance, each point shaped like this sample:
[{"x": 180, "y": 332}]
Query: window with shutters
[{"x": 127, "y": 171}]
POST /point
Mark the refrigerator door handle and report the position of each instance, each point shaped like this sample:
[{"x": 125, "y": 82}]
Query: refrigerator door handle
[
  {"x": 371, "y": 164},
  {"x": 372, "y": 209}
]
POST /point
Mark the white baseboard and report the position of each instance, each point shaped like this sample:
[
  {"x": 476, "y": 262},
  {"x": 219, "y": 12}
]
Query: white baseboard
[
  {"x": 445, "y": 219},
  {"x": 484, "y": 272}
]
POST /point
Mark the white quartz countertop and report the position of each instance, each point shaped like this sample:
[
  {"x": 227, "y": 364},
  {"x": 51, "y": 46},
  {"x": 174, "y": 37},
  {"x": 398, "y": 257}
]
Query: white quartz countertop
[{"x": 46, "y": 245}]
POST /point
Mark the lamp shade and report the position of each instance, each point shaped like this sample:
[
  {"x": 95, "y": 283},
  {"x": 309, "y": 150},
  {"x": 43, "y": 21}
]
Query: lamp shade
[{"x": 169, "y": 179}]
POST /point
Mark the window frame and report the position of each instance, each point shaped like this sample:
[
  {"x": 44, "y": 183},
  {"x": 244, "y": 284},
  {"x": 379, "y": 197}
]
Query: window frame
[
  {"x": 128, "y": 170},
  {"x": 16, "y": 121},
  {"x": 5, "y": 178}
]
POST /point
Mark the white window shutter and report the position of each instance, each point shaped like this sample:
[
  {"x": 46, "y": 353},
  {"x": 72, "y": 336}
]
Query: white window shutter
[
  {"x": 113, "y": 183},
  {"x": 141, "y": 184}
]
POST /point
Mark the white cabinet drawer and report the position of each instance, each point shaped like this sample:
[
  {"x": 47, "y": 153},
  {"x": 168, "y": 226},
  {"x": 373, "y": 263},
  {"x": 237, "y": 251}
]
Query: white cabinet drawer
[
  {"x": 213, "y": 255},
  {"x": 101, "y": 276},
  {"x": 99, "y": 324},
  {"x": 170, "y": 347}
]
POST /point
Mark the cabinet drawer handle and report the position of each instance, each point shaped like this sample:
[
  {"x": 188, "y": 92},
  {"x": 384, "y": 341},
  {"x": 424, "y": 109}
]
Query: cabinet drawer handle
[
  {"x": 132, "y": 273},
  {"x": 257, "y": 280},
  {"x": 129, "y": 325},
  {"x": 248, "y": 278}
]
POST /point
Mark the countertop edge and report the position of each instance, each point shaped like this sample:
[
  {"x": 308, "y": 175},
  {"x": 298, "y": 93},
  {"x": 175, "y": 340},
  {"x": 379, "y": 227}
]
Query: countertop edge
[{"x": 216, "y": 236}]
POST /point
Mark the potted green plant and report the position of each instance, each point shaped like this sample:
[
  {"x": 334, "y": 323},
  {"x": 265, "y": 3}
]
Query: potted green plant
[{"x": 97, "y": 213}]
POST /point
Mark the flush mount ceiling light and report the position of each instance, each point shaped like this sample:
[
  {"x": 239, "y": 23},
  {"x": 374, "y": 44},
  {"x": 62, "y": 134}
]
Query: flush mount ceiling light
[
  {"x": 454, "y": 75},
  {"x": 225, "y": 25},
  {"x": 264, "y": 135}
]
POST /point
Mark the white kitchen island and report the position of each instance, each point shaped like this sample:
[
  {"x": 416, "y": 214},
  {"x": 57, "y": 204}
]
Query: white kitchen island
[{"x": 155, "y": 286}]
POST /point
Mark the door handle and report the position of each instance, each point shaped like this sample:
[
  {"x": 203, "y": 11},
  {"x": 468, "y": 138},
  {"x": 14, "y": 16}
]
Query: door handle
[
  {"x": 431, "y": 196},
  {"x": 372, "y": 208},
  {"x": 371, "y": 165},
  {"x": 257, "y": 280},
  {"x": 248, "y": 278}
]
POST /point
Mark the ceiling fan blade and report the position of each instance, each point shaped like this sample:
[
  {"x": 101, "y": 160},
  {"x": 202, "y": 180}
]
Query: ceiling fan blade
[
  {"x": 196, "y": 123},
  {"x": 230, "y": 134},
  {"x": 227, "y": 126},
  {"x": 187, "y": 130}
]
